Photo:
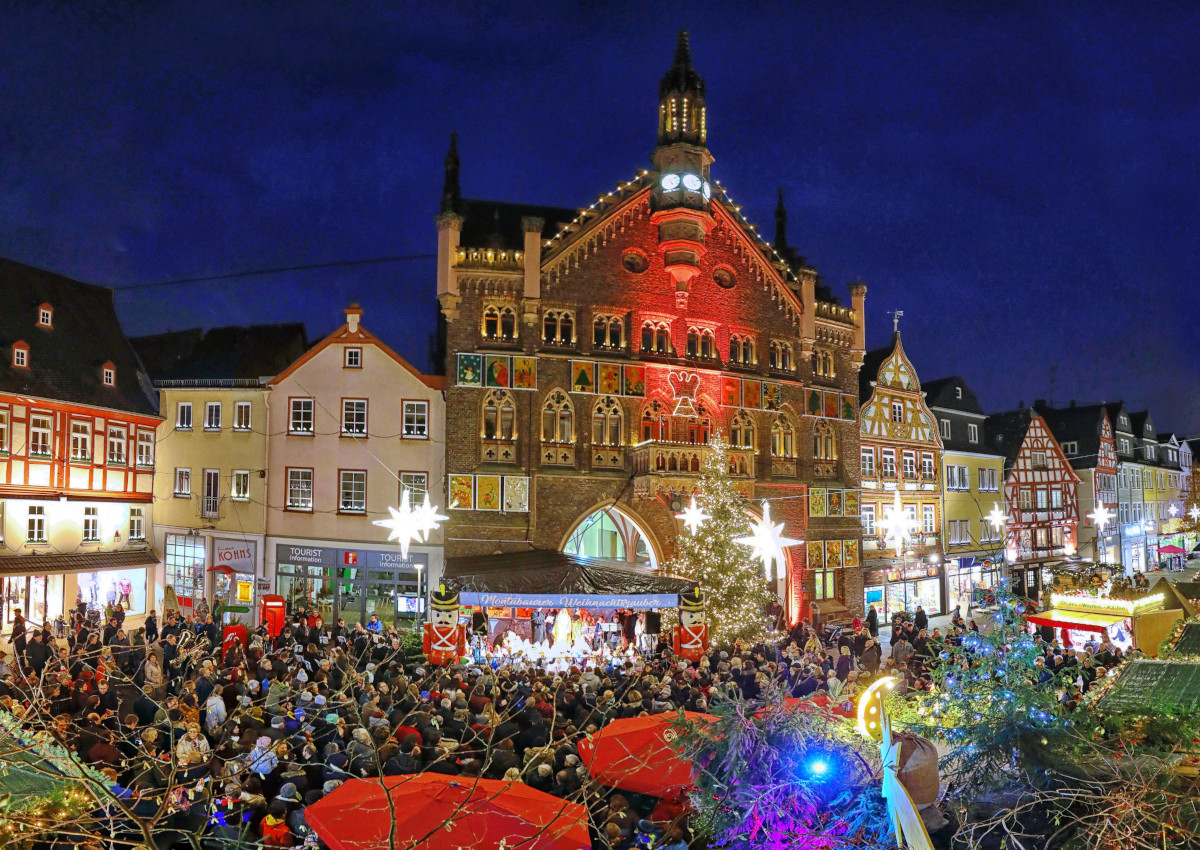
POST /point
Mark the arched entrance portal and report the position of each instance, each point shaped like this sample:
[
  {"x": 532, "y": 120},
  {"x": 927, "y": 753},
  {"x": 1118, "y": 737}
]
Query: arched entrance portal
[{"x": 613, "y": 535}]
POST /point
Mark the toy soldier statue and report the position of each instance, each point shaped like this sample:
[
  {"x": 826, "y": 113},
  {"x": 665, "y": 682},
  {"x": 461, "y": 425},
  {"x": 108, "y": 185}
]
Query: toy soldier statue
[
  {"x": 691, "y": 635},
  {"x": 445, "y": 640}
]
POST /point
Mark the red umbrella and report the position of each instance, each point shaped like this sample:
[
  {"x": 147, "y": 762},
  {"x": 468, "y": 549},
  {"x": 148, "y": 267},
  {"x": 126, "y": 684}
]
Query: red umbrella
[
  {"x": 636, "y": 754},
  {"x": 433, "y": 811},
  {"x": 1171, "y": 550}
]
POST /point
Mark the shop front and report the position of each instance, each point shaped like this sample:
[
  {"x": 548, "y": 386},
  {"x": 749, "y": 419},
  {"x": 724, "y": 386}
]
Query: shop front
[
  {"x": 350, "y": 583},
  {"x": 48, "y": 587},
  {"x": 893, "y": 589},
  {"x": 969, "y": 578},
  {"x": 233, "y": 571}
]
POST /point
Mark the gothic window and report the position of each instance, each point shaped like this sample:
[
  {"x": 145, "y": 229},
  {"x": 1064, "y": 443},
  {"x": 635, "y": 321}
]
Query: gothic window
[
  {"x": 606, "y": 422},
  {"x": 741, "y": 431},
  {"x": 824, "y": 441},
  {"x": 741, "y": 349},
  {"x": 700, "y": 343},
  {"x": 499, "y": 322},
  {"x": 499, "y": 416},
  {"x": 699, "y": 427},
  {"x": 822, "y": 363},
  {"x": 654, "y": 422},
  {"x": 782, "y": 439},
  {"x": 781, "y": 356},
  {"x": 608, "y": 332},
  {"x": 656, "y": 338},
  {"x": 558, "y": 418},
  {"x": 693, "y": 342},
  {"x": 558, "y": 328}
]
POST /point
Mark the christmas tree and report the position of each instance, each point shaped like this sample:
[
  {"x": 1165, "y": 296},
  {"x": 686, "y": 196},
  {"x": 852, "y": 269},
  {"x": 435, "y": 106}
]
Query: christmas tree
[{"x": 737, "y": 592}]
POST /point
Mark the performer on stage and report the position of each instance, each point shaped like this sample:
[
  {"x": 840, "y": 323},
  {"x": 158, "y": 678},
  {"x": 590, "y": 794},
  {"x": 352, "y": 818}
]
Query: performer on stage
[
  {"x": 691, "y": 635},
  {"x": 538, "y": 620},
  {"x": 445, "y": 641},
  {"x": 562, "y": 630}
]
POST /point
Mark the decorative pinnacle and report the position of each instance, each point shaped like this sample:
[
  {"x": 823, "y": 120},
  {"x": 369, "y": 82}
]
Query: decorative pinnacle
[{"x": 682, "y": 76}]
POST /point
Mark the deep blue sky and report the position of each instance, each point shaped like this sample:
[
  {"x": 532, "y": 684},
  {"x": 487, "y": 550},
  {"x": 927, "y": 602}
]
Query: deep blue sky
[{"x": 1020, "y": 178}]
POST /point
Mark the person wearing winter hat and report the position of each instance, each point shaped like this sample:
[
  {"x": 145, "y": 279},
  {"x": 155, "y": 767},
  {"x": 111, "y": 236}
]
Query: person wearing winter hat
[{"x": 289, "y": 794}]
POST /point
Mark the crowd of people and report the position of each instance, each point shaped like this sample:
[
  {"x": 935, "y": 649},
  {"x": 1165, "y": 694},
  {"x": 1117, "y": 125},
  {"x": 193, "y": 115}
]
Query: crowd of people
[{"x": 240, "y": 741}]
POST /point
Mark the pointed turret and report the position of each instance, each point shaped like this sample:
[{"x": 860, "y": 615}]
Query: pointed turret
[
  {"x": 451, "y": 191},
  {"x": 681, "y": 113}
]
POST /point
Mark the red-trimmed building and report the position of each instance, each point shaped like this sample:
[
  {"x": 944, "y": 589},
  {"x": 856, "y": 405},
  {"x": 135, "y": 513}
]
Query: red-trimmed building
[
  {"x": 592, "y": 354},
  {"x": 1041, "y": 497},
  {"x": 77, "y": 450}
]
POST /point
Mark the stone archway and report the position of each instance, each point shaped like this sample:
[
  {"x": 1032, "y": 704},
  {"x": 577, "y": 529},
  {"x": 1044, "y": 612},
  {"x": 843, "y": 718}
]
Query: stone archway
[{"x": 611, "y": 532}]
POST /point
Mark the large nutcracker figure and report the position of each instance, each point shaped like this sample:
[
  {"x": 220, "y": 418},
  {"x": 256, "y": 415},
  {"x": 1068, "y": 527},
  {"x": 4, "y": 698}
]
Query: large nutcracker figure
[
  {"x": 691, "y": 635},
  {"x": 445, "y": 641}
]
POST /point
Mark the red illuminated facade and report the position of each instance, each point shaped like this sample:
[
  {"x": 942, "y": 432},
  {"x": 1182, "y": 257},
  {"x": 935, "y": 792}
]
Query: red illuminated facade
[{"x": 591, "y": 355}]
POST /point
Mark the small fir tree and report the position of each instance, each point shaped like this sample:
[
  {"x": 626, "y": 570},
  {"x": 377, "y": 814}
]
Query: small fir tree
[{"x": 737, "y": 590}]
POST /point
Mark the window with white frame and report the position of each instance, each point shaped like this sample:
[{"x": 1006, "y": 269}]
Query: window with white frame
[
  {"x": 184, "y": 565},
  {"x": 91, "y": 525},
  {"x": 868, "y": 520},
  {"x": 972, "y": 433},
  {"x": 1137, "y": 511},
  {"x": 1041, "y": 498},
  {"x": 183, "y": 416},
  {"x": 4, "y": 446},
  {"x": 352, "y": 358},
  {"x": 353, "y": 488},
  {"x": 959, "y": 531},
  {"x": 45, "y": 316},
  {"x": 887, "y": 463},
  {"x": 989, "y": 480},
  {"x": 867, "y": 456},
  {"x": 958, "y": 392},
  {"x": 1025, "y": 499},
  {"x": 416, "y": 484},
  {"x": 109, "y": 375},
  {"x": 300, "y": 489},
  {"x": 1056, "y": 536},
  {"x": 1038, "y": 460},
  {"x": 239, "y": 489},
  {"x": 957, "y": 477},
  {"x": 212, "y": 416},
  {"x": 210, "y": 503},
  {"x": 145, "y": 448},
  {"x": 944, "y": 428},
  {"x": 416, "y": 419},
  {"x": 300, "y": 420},
  {"x": 183, "y": 481},
  {"x": 1123, "y": 445},
  {"x": 1056, "y": 498},
  {"x": 116, "y": 445},
  {"x": 929, "y": 519},
  {"x": 241, "y": 416},
  {"x": 910, "y": 465},
  {"x": 354, "y": 416},
  {"x": 927, "y": 467},
  {"x": 37, "y": 524},
  {"x": 40, "y": 428},
  {"x": 1070, "y": 448},
  {"x": 20, "y": 356},
  {"x": 81, "y": 440},
  {"x": 897, "y": 411},
  {"x": 137, "y": 524}
]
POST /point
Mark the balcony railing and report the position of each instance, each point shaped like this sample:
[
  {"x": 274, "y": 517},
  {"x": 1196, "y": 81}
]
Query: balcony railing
[
  {"x": 827, "y": 310},
  {"x": 660, "y": 457},
  {"x": 558, "y": 454},
  {"x": 208, "y": 508}
]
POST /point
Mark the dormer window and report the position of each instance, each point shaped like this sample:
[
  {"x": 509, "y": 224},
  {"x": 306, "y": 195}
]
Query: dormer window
[
  {"x": 45, "y": 316},
  {"x": 20, "y": 355},
  {"x": 108, "y": 374}
]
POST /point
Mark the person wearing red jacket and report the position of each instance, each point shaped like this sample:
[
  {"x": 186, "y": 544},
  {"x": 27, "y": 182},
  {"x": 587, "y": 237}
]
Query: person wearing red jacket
[{"x": 445, "y": 639}]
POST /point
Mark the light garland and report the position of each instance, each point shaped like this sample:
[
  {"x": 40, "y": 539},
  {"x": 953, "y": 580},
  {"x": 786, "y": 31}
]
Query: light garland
[{"x": 1126, "y": 606}]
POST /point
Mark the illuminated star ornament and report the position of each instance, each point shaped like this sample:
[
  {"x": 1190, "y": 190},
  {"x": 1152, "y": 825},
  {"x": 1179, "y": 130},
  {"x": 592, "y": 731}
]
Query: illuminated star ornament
[
  {"x": 897, "y": 525},
  {"x": 1194, "y": 513},
  {"x": 997, "y": 517},
  {"x": 408, "y": 524},
  {"x": 768, "y": 542},
  {"x": 1101, "y": 516},
  {"x": 693, "y": 517}
]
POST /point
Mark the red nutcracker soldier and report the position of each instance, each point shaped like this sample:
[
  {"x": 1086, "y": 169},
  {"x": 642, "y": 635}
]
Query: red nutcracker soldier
[
  {"x": 691, "y": 635},
  {"x": 445, "y": 640}
]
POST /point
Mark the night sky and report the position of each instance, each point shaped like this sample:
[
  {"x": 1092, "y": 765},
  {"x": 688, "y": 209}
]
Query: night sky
[{"x": 1020, "y": 179}]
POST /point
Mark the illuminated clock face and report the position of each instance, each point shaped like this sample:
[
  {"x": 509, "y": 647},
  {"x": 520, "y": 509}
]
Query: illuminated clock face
[
  {"x": 670, "y": 182},
  {"x": 707, "y": 191},
  {"x": 691, "y": 182}
]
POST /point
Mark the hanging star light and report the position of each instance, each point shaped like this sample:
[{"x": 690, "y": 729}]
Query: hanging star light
[
  {"x": 897, "y": 525},
  {"x": 1194, "y": 513},
  {"x": 427, "y": 518},
  {"x": 997, "y": 517},
  {"x": 403, "y": 525},
  {"x": 1173, "y": 511},
  {"x": 768, "y": 542},
  {"x": 693, "y": 517},
  {"x": 1101, "y": 516}
]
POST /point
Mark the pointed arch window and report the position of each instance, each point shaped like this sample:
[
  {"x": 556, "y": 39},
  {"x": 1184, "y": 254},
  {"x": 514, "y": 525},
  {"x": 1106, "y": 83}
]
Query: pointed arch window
[
  {"x": 783, "y": 439},
  {"x": 499, "y": 416},
  {"x": 699, "y": 427},
  {"x": 741, "y": 431},
  {"x": 741, "y": 349},
  {"x": 781, "y": 356},
  {"x": 558, "y": 327},
  {"x": 824, "y": 441},
  {"x": 607, "y": 420},
  {"x": 656, "y": 338},
  {"x": 558, "y": 418},
  {"x": 654, "y": 422},
  {"x": 499, "y": 322},
  {"x": 608, "y": 332}
]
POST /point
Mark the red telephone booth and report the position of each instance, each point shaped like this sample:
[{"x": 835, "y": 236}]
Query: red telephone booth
[{"x": 273, "y": 610}]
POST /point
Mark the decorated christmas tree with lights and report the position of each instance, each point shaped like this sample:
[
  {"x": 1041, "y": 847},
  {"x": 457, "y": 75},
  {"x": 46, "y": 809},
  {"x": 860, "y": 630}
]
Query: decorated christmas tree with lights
[{"x": 708, "y": 553}]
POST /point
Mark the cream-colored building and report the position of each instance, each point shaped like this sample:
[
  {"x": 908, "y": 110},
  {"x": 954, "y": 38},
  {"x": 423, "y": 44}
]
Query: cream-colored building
[
  {"x": 211, "y": 486},
  {"x": 351, "y": 424}
]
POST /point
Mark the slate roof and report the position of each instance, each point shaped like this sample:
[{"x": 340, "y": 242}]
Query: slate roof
[
  {"x": 1006, "y": 432},
  {"x": 65, "y": 360},
  {"x": 497, "y": 224},
  {"x": 940, "y": 393},
  {"x": 1114, "y": 410},
  {"x": 940, "y": 396},
  {"x": 1082, "y": 425},
  {"x": 1137, "y": 421},
  {"x": 226, "y": 353}
]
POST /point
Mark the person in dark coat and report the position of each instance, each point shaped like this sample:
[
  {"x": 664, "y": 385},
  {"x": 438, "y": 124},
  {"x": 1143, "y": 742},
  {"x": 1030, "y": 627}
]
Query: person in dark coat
[
  {"x": 19, "y": 640},
  {"x": 920, "y": 619},
  {"x": 37, "y": 653},
  {"x": 151, "y": 627},
  {"x": 873, "y": 622}
]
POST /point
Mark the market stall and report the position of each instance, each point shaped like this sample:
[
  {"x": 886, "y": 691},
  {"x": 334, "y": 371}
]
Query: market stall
[{"x": 1139, "y": 623}]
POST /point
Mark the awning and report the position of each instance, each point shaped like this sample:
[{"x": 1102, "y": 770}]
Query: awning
[
  {"x": 1060, "y": 618},
  {"x": 84, "y": 562},
  {"x": 1171, "y": 550},
  {"x": 546, "y": 579}
]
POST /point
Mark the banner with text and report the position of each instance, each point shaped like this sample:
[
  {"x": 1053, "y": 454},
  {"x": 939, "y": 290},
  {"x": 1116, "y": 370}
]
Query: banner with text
[{"x": 640, "y": 601}]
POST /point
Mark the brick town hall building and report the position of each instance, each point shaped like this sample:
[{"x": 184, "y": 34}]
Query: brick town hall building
[{"x": 591, "y": 355}]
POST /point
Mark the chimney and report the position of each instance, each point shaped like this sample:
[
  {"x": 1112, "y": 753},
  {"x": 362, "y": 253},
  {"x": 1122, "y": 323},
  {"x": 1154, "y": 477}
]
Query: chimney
[{"x": 353, "y": 314}]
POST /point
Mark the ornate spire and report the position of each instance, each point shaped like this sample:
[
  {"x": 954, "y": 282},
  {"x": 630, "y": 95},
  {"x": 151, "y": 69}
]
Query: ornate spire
[
  {"x": 781, "y": 244},
  {"x": 682, "y": 77},
  {"x": 681, "y": 116},
  {"x": 451, "y": 191}
]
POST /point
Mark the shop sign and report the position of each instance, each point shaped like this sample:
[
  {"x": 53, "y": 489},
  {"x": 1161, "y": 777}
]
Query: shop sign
[
  {"x": 241, "y": 556},
  {"x": 371, "y": 559},
  {"x": 264, "y": 585},
  {"x": 641, "y": 601}
]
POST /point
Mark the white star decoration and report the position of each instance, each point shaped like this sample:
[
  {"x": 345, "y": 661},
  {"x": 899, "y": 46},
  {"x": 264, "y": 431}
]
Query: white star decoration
[
  {"x": 693, "y": 517},
  {"x": 768, "y": 542},
  {"x": 897, "y": 525},
  {"x": 1194, "y": 513},
  {"x": 1101, "y": 516},
  {"x": 408, "y": 524},
  {"x": 997, "y": 517}
]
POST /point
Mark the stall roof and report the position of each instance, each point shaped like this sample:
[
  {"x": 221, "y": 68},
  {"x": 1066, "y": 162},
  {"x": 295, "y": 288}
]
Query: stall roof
[
  {"x": 1060, "y": 618},
  {"x": 544, "y": 571}
]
